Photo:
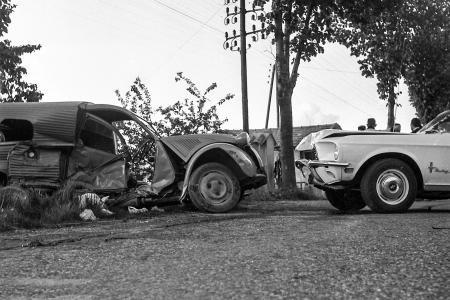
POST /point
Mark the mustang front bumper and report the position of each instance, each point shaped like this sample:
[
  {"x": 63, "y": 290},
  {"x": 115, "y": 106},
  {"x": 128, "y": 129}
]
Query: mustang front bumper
[{"x": 323, "y": 172}]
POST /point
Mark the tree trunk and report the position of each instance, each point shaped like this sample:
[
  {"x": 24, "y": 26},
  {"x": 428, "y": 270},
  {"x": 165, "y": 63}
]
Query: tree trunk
[
  {"x": 391, "y": 108},
  {"x": 284, "y": 95},
  {"x": 287, "y": 149}
]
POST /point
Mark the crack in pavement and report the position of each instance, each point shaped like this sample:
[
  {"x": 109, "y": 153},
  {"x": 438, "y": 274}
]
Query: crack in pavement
[{"x": 132, "y": 234}]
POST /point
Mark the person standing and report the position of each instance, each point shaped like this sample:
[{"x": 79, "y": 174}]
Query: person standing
[
  {"x": 371, "y": 124},
  {"x": 416, "y": 125}
]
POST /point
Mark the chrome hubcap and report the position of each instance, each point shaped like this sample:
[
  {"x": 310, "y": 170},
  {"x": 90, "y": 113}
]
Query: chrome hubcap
[
  {"x": 214, "y": 186},
  {"x": 392, "y": 186}
]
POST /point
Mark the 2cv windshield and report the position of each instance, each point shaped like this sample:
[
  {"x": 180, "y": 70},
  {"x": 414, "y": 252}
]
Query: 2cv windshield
[{"x": 113, "y": 114}]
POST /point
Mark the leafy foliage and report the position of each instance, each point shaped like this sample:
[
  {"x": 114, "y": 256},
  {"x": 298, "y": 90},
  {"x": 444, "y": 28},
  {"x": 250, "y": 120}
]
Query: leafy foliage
[
  {"x": 194, "y": 115},
  {"x": 385, "y": 35},
  {"x": 137, "y": 100},
  {"x": 428, "y": 71},
  {"x": 12, "y": 86}
]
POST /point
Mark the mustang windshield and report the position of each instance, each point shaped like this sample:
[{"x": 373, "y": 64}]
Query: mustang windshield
[{"x": 435, "y": 124}]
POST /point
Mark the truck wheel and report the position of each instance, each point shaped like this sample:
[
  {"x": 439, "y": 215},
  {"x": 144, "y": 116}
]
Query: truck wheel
[
  {"x": 214, "y": 188},
  {"x": 389, "y": 186},
  {"x": 345, "y": 200}
]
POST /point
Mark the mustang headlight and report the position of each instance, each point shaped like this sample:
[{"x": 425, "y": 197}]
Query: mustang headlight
[
  {"x": 336, "y": 153},
  {"x": 327, "y": 150}
]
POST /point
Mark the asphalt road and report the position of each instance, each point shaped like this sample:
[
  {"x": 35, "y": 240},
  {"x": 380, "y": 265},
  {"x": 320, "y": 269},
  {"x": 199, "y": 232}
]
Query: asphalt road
[{"x": 267, "y": 250}]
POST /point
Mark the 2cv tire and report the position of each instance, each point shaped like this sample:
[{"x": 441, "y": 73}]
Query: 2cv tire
[
  {"x": 389, "y": 186},
  {"x": 214, "y": 188}
]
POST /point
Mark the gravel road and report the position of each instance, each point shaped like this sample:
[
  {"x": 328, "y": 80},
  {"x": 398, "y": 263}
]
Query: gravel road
[{"x": 265, "y": 250}]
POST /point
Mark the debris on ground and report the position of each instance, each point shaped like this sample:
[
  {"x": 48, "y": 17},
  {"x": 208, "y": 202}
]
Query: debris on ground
[
  {"x": 92, "y": 202},
  {"x": 87, "y": 215},
  {"x": 134, "y": 210},
  {"x": 156, "y": 208}
]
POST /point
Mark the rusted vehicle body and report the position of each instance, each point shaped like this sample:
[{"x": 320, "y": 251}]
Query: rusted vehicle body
[
  {"x": 386, "y": 171},
  {"x": 47, "y": 144}
]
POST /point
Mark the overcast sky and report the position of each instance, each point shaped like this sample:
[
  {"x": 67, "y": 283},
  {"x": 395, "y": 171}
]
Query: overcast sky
[{"x": 90, "y": 48}]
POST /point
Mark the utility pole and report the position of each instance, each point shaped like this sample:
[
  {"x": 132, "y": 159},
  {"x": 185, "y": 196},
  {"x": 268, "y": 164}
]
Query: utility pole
[
  {"x": 270, "y": 98},
  {"x": 243, "y": 66},
  {"x": 232, "y": 44}
]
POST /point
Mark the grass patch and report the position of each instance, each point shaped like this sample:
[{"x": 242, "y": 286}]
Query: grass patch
[{"x": 24, "y": 208}]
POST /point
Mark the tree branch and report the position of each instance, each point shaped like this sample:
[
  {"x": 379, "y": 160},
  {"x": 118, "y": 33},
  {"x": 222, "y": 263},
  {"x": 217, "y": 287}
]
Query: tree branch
[
  {"x": 294, "y": 74},
  {"x": 287, "y": 29}
]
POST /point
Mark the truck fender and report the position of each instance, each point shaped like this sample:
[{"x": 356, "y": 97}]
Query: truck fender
[{"x": 241, "y": 158}]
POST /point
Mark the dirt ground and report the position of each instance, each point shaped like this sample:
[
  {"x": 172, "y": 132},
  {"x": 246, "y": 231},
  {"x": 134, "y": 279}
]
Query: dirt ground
[{"x": 270, "y": 249}]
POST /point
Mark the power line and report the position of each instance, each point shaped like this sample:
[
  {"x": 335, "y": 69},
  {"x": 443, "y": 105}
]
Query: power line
[
  {"x": 337, "y": 97},
  {"x": 188, "y": 16}
]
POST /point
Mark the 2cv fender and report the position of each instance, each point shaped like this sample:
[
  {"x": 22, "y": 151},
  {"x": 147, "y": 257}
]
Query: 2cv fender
[{"x": 216, "y": 176}]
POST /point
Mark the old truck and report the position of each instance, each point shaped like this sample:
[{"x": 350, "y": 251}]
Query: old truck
[{"x": 47, "y": 144}]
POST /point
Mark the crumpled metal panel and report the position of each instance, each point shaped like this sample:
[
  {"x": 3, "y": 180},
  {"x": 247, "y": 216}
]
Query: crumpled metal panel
[
  {"x": 43, "y": 168},
  {"x": 164, "y": 171},
  {"x": 186, "y": 145},
  {"x": 52, "y": 122},
  {"x": 4, "y": 151},
  {"x": 111, "y": 176}
]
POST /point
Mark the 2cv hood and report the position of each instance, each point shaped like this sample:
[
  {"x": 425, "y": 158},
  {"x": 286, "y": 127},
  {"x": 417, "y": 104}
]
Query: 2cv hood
[{"x": 186, "y": 145}]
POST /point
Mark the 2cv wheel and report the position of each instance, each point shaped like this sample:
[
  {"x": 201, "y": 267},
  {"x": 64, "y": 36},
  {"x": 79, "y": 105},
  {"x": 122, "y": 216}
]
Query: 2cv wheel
[
  {"x": 214, "y": 188},
  {"x": 345, "y": 200},
  {"x": 389, "y": 186}
]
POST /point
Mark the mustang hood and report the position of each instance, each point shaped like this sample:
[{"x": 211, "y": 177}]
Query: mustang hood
[
  {"x": 307, "y": 143},
  {"x": 186, "y": 145}
]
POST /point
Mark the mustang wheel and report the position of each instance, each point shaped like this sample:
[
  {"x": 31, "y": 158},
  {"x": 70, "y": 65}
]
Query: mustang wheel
[
  {"x": 345, "y": 200},
  {"x": 214, "y": 188},
  {"x": 389, "y": 185}
]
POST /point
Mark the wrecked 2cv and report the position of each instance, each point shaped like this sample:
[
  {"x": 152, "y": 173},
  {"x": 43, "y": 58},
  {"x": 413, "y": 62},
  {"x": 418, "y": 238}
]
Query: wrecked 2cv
[{"x": 47, "y": 144}]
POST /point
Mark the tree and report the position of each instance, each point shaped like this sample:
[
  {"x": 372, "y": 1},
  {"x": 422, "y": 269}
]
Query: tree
[
  {"x": 300, "y": 28},
  {"x": 13, "y": 88},
  {"x": 388, "y": 35},
  {"x": 378, "y": 33},
  {"x": 428, "y": 71},
  {"x": 429, "y": 75},
  {"x": 189, "y": 116}
]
